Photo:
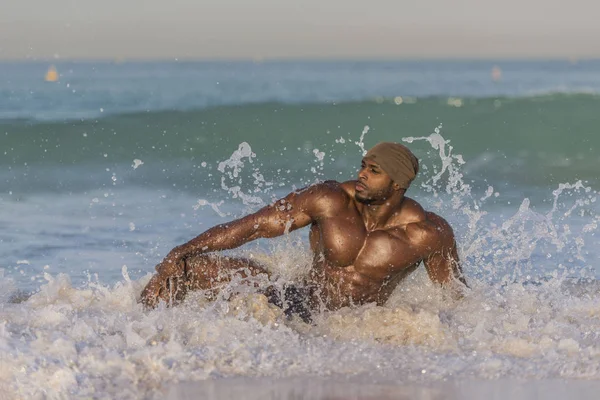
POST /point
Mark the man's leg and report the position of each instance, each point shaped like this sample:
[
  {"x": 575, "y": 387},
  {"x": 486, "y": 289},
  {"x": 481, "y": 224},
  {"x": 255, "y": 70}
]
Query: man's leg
[{"x": 204, "y": 272}]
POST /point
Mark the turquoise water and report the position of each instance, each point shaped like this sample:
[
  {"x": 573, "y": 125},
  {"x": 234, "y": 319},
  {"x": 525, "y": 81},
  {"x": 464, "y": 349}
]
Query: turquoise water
[{"x": 104, "y": 171}]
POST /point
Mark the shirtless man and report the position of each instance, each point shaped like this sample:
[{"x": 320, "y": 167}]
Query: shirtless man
[{"x": 366, "y": 236}]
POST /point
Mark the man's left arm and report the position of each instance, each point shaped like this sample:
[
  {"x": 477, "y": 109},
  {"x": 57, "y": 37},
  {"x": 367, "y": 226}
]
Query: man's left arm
[
  {"x": 441, "y": 256},
  {"x": 443, "y": 266}
]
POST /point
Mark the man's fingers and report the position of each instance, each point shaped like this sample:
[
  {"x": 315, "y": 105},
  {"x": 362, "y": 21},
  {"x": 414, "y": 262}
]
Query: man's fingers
[
  {"x": 150, "y": 293},
  {"x": 168, "y": 268}
]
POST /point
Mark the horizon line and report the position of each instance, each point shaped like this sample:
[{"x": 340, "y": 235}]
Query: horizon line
[{"x": 259, "y": 60}]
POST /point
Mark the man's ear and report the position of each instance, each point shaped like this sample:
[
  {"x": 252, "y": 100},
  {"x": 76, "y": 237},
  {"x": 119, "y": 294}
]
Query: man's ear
[{"x": 396, "y": 187}]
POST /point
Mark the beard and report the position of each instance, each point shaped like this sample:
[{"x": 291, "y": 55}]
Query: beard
[
  {"x": 364, "y": 199},
  {"x": 375, "y": 198}
]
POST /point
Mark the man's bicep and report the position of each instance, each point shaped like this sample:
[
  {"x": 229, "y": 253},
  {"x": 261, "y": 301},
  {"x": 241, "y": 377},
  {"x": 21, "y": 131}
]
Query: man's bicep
[
  {"x": 284, "y": 215},
  {"x": 301, "y": 208}
]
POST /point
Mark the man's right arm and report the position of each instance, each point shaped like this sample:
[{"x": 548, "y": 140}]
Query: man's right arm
[{"x": 296, "y": 210}]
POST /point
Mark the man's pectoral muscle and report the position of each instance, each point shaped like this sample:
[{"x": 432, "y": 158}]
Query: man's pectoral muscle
[
  {"x": 389, "y": 255},
  {"x": 386, "y": 257},
  {"x": 381, "y": 263}
]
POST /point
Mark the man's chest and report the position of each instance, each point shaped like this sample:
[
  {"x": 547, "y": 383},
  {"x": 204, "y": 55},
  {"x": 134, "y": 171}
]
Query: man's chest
[{"x": 339, "y": 238}]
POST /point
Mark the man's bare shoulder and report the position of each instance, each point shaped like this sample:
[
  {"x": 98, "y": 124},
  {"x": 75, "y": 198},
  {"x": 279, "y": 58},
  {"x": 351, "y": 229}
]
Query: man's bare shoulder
[
  {"x": 331, "y": 189},
  {"x": 349, "y": 187},
  {"x": 421, "y": 226},
  {"x": 434, "y": 231},
  {"x": 323, "y": 198},
  {"x": 409, "y": 212}
]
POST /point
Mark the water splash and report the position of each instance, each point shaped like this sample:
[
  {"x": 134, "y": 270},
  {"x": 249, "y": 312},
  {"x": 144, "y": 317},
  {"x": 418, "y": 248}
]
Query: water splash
[
  {"x": 450, "y": 168},
  {"x": 529, "y": 313},
  {"x": 232, "y": 181},
  {"x": 317, "y": 170},
  {"x": 360, "y": 143},
  {"x": 214, "y": 206},
  {"x": 513, "y": 248}
]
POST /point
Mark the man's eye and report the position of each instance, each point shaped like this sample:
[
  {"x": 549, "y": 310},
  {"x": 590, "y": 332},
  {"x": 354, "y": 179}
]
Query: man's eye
[{"x": 373, "y": 170}]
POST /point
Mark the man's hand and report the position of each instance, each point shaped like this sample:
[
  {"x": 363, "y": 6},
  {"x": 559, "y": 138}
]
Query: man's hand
[
  {"x": 150, "y": 294},
  {"x": 172, "y": 266}
]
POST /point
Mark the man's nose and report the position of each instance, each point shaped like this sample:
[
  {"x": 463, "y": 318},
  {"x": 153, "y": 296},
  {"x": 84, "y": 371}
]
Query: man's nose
[{"x": 362, "y": 175}]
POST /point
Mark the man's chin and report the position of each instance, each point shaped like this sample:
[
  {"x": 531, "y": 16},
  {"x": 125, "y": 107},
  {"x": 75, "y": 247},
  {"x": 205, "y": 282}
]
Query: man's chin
[{"x": 361, "y": 199}]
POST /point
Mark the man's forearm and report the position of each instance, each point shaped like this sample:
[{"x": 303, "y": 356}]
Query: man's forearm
[
  {"x": 281, "y": 217},
  {"x": 221, "y": 237}
]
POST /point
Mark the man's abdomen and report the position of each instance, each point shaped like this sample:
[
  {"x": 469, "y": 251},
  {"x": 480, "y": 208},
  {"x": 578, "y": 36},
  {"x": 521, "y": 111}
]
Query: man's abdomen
[{"x": 344, "y": 286}]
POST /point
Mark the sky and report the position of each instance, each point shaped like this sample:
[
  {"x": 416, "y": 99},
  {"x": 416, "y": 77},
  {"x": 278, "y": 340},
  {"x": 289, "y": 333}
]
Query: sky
[{"x": 282, "y": 29}]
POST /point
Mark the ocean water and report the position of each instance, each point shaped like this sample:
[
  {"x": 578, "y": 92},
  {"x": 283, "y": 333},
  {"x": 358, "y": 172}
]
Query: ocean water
[{"x": 104, "y": 171}]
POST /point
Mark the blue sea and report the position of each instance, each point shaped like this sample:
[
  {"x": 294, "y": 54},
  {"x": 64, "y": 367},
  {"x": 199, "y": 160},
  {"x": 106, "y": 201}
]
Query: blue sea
[{"x": 105, "y": 170}]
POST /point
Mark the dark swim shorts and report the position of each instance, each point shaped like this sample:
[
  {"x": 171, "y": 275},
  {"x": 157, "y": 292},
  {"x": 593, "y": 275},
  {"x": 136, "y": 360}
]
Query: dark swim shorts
[{"x": 293, "y": 300}]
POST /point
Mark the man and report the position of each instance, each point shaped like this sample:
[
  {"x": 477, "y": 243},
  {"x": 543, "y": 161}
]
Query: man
[{"x": 366, "y": 236}]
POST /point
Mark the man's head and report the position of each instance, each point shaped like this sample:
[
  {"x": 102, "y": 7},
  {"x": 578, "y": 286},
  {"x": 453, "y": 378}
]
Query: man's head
[{"x": 386, "y": 168}]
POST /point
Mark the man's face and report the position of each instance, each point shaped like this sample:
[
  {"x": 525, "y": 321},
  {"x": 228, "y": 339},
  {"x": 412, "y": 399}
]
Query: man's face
[{"x": 373, "y": 185}]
